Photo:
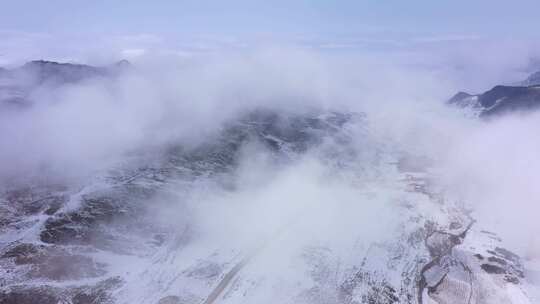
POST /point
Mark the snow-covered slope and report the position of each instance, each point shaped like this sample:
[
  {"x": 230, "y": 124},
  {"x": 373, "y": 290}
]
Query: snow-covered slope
[{"x": 278, "y": 207}]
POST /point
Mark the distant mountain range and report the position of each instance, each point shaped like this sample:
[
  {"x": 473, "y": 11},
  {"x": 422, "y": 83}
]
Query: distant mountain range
[
  {"x": 501, "y": 99},
  {"x": 16, "y": 85}
]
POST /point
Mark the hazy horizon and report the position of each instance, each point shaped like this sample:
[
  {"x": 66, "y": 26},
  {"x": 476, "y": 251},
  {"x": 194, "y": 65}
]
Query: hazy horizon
[{"x": 467, "y": 39}]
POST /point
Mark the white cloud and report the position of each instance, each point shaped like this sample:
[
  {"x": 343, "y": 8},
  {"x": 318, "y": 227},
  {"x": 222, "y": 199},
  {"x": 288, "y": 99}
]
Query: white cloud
[{"x": 132, "y": 53}]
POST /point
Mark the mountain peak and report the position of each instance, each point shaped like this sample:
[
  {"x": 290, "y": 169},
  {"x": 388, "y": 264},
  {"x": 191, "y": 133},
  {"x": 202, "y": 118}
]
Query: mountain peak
[
  {"x": 124, "y": 63},
  {"x": 459, "y": 97}
]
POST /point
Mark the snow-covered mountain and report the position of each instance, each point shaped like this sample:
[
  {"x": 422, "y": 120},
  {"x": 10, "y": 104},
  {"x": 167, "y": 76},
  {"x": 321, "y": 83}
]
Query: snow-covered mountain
[
  {"x": 524, "y": 96},
  {"x": 279, "y": 206}
]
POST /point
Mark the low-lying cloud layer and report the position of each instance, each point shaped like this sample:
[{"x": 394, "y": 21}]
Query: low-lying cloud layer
[{"x": 73, "y": 131}]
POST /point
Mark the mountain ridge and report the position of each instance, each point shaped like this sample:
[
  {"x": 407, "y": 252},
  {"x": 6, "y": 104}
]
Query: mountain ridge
[
  {"x": 17, "y": 84},
  {"x": 502, "y": 99}
]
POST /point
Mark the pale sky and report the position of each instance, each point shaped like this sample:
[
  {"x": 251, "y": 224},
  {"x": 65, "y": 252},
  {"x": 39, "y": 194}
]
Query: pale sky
[
  {"x": 439, "y": 31},
  {"x": 237, "y": 17}
]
